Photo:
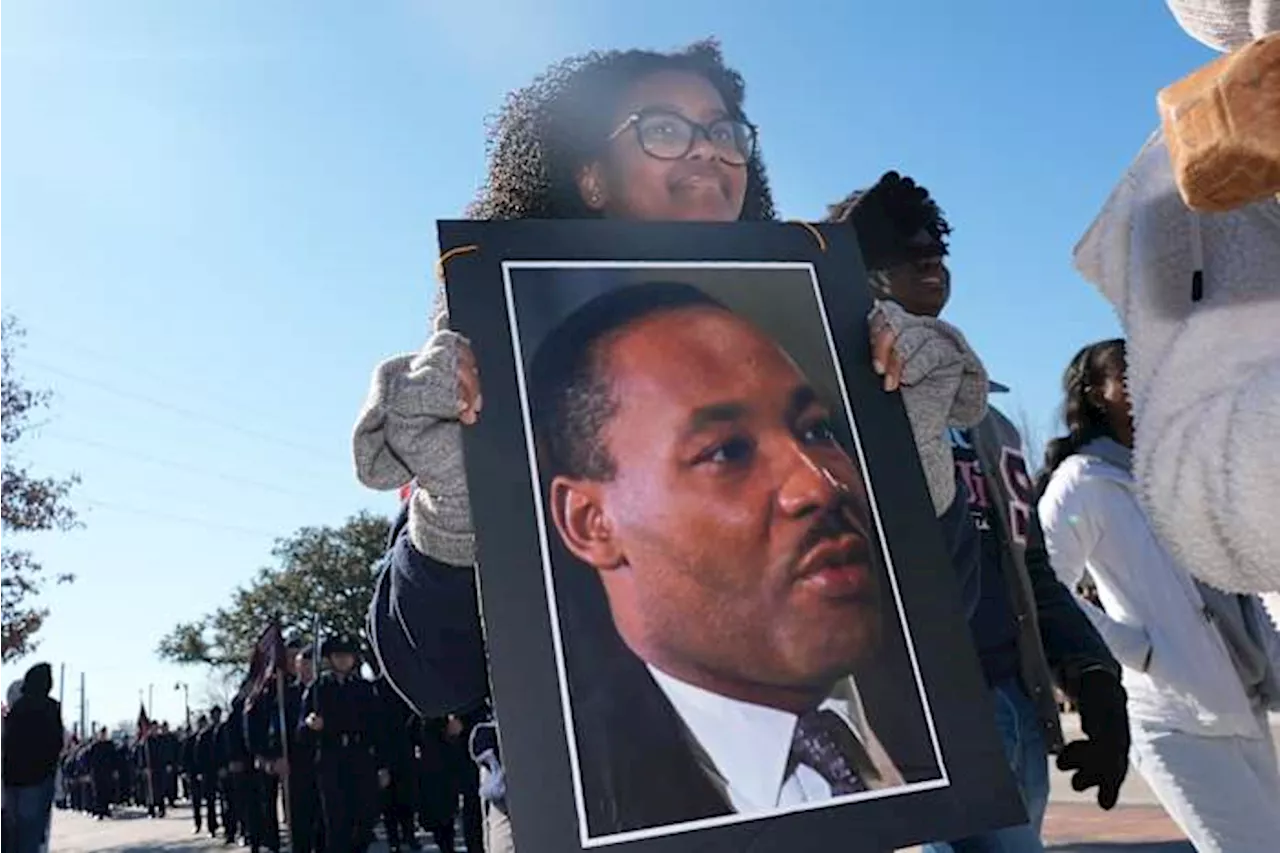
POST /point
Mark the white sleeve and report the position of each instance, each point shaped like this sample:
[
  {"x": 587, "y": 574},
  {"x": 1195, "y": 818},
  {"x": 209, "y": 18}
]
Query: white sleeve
[
  {"x": 1070, "y": 518},
  {"x": 1209, "y": 477}
]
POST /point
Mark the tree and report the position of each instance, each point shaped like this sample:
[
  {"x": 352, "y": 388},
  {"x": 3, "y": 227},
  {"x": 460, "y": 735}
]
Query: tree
[
  {"x": 30, "y": 504},
  {"x": 322, "y": 571}
]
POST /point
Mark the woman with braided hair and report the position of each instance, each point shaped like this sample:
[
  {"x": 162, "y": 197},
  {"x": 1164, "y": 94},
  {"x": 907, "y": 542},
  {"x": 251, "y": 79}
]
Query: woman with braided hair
[
  {"x": 1201, "y": 667},
  {"x": 629, "y": 135}
]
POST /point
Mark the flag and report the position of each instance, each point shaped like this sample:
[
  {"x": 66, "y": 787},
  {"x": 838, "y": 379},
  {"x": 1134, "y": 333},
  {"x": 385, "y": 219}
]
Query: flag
[
  {"x": 144, "y": 724},
  {"x": 267, "y": 660}
]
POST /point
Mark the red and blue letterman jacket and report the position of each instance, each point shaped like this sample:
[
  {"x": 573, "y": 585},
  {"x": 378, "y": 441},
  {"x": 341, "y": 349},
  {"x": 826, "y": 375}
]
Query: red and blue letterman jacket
[{"x": 1056, "y": 642}]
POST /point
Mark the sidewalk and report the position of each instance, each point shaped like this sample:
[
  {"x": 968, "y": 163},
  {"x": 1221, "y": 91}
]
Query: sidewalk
[
  {"x": 1083, "y": 828},
  {"x": 1075, "y": 823}
]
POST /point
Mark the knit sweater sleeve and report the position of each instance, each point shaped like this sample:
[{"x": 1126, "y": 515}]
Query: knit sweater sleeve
[
  {"x": 944, "y": 384},
  {"x": 410, "y": 398},
  {"x": 408, "y": 429}
]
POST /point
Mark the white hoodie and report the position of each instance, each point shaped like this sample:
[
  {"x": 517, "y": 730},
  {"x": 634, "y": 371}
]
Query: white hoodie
[{"x": 1177, "y": 669}]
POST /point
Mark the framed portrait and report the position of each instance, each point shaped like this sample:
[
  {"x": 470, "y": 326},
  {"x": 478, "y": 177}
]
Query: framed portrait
[{"x": 719, "y": 612}]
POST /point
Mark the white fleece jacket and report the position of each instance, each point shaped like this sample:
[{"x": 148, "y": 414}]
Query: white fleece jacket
[
  {"x": 1177, "y": 669},
  {"x": 1204, "y": 376}
]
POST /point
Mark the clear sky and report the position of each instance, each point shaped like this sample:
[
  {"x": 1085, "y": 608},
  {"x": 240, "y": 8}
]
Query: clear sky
[{"x": 219, "y": 216}]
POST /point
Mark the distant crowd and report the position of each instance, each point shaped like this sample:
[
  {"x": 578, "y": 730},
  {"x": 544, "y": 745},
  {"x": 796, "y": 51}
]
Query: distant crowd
[{"x": 341, "y": 752}]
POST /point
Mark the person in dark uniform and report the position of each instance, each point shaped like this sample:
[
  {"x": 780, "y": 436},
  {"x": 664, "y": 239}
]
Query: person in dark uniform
[
  {"x": 305, "y": 828},
  {"x": 438, "y": 782},
  {"x": 182, "y": 768},
  {"x": 103, "y": 766},
  {"x": 126, "y": 778},
  {"x": 206, "y": 770},
  {"x": 83, "y": 791},
  {"x": 343, "y": 712},
  {"x": 265, "y": 736},
  {"x": 171, "y": 751},
  {"x": 153, "y": 771},
  {"x": 399, "y": 799},
  {"x": 233, "y": 759},
  {"x": 191, "y": 768}
]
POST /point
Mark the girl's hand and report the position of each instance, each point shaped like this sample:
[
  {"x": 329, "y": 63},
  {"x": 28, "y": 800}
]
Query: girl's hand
[
  {"x": 470, "y": 400},
  {"x": 884, "y": 358}
]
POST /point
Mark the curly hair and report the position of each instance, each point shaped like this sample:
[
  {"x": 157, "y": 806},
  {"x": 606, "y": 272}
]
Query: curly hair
[
  {"x": 548, "y": 130},
  {"x": 903, "y": 215}
]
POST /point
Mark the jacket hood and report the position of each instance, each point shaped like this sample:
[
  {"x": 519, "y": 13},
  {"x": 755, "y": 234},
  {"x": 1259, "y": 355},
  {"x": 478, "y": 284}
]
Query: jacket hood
[
  {"x": 38, "y": 681},
  {"x": 1085, "y": 464}
]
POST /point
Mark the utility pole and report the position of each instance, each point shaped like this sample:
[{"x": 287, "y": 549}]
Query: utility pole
[
  {"x": 186, "y": 700},
  {"x": 84, "y": 709}
]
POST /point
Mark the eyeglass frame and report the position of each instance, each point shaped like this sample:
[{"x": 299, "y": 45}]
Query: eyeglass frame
[{"x": 633, "y": 122}]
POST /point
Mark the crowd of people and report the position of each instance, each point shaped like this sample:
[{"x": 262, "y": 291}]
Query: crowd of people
[
  {"x": 145, "y": 771},
  {"x": 1166, "y": 669},
  {"x": 351, "y": 752},
  {"x": 1061, "y": 608}
]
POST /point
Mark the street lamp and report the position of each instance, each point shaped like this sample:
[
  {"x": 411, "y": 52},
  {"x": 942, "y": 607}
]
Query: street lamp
[{"x": 186, "y": 700}]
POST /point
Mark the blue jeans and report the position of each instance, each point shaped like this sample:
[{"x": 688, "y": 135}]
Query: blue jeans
[
  {"x": 28, "y": 808},
  {"x": 1024, "y": 746}
]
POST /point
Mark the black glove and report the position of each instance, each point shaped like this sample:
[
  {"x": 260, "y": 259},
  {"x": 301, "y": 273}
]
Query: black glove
[
  {"x": 886, "y": 216},
  {"x": 1102, "y": 759}
]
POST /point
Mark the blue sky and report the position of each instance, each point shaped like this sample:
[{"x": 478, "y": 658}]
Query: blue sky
[{"x": 219, "y": 216}]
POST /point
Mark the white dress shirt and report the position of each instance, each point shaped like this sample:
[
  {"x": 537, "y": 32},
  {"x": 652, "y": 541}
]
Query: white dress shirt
[{"x": 746, "y": 748}]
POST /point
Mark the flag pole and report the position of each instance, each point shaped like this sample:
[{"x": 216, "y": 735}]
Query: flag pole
[
  {"x": 315, "y": 656},
  {"x": 151, "y": 777},
  {"x": 284, "y": 745}
]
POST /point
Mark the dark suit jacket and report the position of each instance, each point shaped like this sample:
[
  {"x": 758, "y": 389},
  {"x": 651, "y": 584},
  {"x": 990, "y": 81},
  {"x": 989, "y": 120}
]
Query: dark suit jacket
[{"x": 638, "y": 769}]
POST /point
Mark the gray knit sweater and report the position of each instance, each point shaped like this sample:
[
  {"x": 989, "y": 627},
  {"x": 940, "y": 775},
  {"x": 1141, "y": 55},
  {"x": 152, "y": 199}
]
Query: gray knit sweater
[
  {"x": 408, "y": 430},
  {"x": 409, "y": 427}
]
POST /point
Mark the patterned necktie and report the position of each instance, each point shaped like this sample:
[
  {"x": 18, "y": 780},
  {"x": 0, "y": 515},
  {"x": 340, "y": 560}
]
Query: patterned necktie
[{"x": 823, "y": 742}]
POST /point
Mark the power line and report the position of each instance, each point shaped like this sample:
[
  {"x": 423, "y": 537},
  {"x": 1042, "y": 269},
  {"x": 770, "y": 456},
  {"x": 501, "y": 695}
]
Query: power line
[
  {"x": 173, "y": 464},
  {"x": 99, "y": 355},
  {"x": 178, "y": 410},
  {"x": 180, "y": 519}
]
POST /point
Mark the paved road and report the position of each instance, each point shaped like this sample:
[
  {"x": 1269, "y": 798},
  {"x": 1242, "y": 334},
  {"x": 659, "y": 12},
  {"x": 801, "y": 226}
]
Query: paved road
[
  {"x": 1074, "y": 824},
  {"x": 1128, "y": 829},
  {"x": 132, "y": 831}
]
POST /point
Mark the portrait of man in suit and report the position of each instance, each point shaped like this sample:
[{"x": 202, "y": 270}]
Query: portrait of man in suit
[{"x": 688, "y": 461}]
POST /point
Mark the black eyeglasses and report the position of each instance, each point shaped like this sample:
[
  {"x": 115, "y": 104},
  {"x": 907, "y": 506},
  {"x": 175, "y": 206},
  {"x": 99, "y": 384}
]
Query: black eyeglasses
[{"x": 666, "y": 135}]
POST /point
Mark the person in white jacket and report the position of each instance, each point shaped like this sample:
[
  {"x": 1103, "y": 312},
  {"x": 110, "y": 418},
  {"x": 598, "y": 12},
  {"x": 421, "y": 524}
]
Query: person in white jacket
[{"x": 1200, "y": 665}]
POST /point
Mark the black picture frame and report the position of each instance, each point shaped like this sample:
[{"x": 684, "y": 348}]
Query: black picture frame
[{"x": 482, "y": 264}]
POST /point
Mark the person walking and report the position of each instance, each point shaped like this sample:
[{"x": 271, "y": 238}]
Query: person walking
[
  {"x": 1201, "y": 666},
  {"x": 344, "y": 713},
  {"x": 32, "y": 744},
  {"x": 306, "y": 827},
  {"x": 601, "y": 136},
  {"x": 1028, "y": 630}
]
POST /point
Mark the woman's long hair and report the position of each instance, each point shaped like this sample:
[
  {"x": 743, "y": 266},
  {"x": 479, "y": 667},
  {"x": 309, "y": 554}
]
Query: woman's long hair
[{"x": 1086, "y": 418}]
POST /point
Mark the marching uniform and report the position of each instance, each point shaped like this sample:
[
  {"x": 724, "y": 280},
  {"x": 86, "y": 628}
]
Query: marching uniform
[{"x": 344, "y": 715}]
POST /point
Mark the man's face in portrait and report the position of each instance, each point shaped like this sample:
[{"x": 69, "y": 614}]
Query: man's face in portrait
[{"x": 734, "y": 538}]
